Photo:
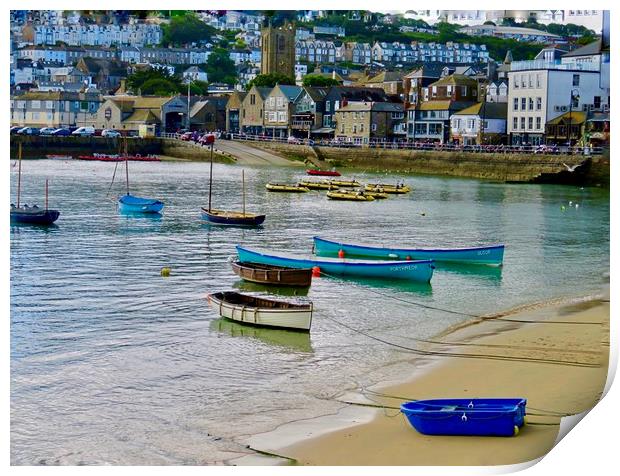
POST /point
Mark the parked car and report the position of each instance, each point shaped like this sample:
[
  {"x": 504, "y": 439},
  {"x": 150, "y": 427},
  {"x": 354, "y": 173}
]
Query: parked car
[
  {"x": 110, "y": 133},
  {"x": 84, "y": 131},
  {"x": 61, "y": 132},
  {"x": 14, "y": 129},
  {"x": 47, "y": 131},
  {"x": 28, "y": 131},
  {"x": 207, "y": 139},
  {"x": 186, "y": 136}
]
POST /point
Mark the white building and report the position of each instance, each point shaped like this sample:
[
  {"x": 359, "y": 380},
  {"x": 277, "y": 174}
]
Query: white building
[
  {"x": 482, "y": 123},
  {"x": 540, "y": 91},
  {"x": 194, "y": 73},
  {"x": 592, "y": 19}
]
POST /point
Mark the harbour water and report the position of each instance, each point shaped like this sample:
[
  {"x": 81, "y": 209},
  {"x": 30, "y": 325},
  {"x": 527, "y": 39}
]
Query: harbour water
[{"x": 113, "y": 364}]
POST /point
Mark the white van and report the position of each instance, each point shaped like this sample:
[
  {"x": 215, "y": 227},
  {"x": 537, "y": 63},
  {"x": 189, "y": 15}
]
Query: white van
[{"x": 84, "y": 131}]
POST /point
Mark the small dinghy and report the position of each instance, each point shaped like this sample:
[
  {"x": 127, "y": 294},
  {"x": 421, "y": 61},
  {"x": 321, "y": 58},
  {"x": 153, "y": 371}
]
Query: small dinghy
[
  {"x": 316, "y": 185},
  {"x": 377, "y": 194},
  {"x": 261, "y": 311},
  {"x": 281, "y": 187},
  {"x": 132, "y": 204},
  {"x": 344, "y": 183},
  {"x": 270, "y": 274},
  {"x": 478, "y": 416},
  {"x": 387, "y": 188},
  {"x": 326, "y": 173},
  {"x": 352, "y": 196}
]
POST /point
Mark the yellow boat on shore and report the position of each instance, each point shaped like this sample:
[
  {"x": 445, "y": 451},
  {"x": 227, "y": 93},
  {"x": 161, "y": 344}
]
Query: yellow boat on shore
[
  {"x": 323, "y": 185},
  {"x": 387, "y": 188},
  {"x": 282, "y": 187},
  {"x": 352, "y": 196}
]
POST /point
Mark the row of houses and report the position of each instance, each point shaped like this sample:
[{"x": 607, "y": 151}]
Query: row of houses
[{"x": 559, "y": 97}]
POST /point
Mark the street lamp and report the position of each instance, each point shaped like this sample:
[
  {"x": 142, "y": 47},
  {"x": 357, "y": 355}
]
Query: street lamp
[
  {"x": 190, "y": 78},
  {"x": 574, "y": 94}
]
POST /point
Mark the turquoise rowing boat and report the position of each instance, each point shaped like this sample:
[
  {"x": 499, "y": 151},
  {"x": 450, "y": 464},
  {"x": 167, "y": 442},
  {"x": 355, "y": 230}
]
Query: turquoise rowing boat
[
  {"x": 421, "y": 271},
  {"x": 490, "y": 255}
]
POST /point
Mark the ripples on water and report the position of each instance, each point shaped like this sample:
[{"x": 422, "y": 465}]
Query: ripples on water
[{"x": 113, "y": 364}]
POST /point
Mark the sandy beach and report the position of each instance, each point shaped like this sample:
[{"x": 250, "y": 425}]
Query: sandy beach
[{"x": 555, "y": 355}]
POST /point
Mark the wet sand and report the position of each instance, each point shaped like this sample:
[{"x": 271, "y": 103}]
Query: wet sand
[{"x": 557, "y": 360}]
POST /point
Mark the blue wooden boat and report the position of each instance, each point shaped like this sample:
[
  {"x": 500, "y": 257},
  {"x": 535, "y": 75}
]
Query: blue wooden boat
[
  {"x": 490, "y": 255},
  {"x": 132, "y": 204},
  {"x": 421, "y": 271},
  {"x": 460, "y": 416}
]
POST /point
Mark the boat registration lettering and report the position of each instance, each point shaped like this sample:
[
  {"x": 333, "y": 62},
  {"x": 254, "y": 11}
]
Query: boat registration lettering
[
  {"x": 484, "y": 252},
  {"x": 410, "y": 267}
]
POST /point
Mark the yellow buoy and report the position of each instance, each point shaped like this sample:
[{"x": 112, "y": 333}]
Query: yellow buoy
[
  {"x": 515, "y": 432},
  {"x": 165, "y": 272}
]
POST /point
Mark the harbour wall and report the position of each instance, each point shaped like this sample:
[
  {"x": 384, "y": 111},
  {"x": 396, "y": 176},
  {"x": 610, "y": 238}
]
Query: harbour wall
[{"x": 500, "y": 167}]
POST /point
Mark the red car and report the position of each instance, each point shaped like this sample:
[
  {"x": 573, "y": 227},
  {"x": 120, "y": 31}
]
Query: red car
[{"x": 186, "y": 136}]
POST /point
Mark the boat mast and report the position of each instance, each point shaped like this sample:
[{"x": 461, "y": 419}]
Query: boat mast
[
  {"x": 210, "y": 177},
  {"x": 19, "y": 172},
  {"x": 126, "y": 167},
  {"x": 243, "y": 187},
  {"x": 46, "y": 193}
]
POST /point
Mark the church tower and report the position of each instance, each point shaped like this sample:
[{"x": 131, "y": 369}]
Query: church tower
[{"x": 278, "y": 49}]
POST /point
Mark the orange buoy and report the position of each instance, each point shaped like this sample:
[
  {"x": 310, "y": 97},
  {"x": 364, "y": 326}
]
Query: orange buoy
[
  {"x": 341, "y": 253},
  {"x": 316, "y": 272},
  {"x": 408, "y": 258}
]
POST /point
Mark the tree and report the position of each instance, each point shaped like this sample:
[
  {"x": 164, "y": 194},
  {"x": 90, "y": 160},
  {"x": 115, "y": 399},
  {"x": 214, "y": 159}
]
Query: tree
[
  {"x": 270, "y": 80},
  {"x": 186, "y": 29},
  {"x": 220, "y": 68},
  {"x": 319, "y": 80},
  {"x": 154, "y": 81}
]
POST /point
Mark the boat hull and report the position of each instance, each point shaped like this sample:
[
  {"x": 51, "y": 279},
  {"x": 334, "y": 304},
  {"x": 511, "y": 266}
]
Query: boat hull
[
  {"x": 325, "y": 173},
  {"x": 488, "y": 255},
  {"x": 276, "y": 275},
  {"x": 132, "y": 204},
  {"x": 299, "y": 319},
  {"x": 226, "y": 218},
  {"x": 34, "y": 217},
  {"x": 286, "y": 188},
  {"x": 479, "y": 416},
  {"x": 420, "y": 271}
]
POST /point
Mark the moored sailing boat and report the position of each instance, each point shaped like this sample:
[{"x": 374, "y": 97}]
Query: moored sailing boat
[
  {"x": 130, "y": 203},
  {"x": 31, "y": 215},
  {"x": 227, "y": 217}
]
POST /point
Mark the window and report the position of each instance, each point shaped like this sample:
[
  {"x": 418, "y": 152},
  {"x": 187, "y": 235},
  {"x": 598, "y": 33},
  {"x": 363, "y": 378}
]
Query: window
[
  {"x": 354, "y": 130},
  {"x": 35, "y": 104},
  {"x": 523, "y": 102},
  {"x": 361, "y": 127},
  {"x": 530, "y": 123},
  {"x": 538, "y": 122},
  {"x": 531, "y": 104},
  {"x": 523, "y": 123},
  {"x": 538, "y": 81},
  {"x": 252, "y": 99},
  {"x": 342, "y": 128},
  {"x": 471, "y": 123},
  {"x": 449, "y": 90},
  {"x": 515, "y": 104},
  {"x": 282, "y": 117},
  {"x": 575, "y": 80},
  {"x": 373, "y": 127},
  {"x": 456, "y": 124},
  {"x": 516, "y": 82},
  {"x": 327, "y": 106},
  {"x": 597, "y": 102},
  {"x": 538, "y": 104},
  {"x": 522, "y": 80},
  {"x": 421, "y": 128},
  {"x": 434, "y": 91},
  {"x": 336, "y": 105},
  {"x": 280, "y": 102},
  {"x": 530, "y": 81},
  {"x": 49, "y": 104},
  {"x": 434, "y": 129},
  {"x": 463, "y": 91}
]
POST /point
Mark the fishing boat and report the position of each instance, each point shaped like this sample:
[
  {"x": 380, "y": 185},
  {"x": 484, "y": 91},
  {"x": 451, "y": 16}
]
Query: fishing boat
[
  {"x": 270, "y": 274},
  {"x": 262, "y": 311},
  {"x": 353, "y": 196},
  {"x": 31, "y": 215},
  {"x": 311, "y": 185},
  {"x": 492, "y": 255},
  {"x": 460, "y": 416},
  {"x": 281, "y": 187},
  {"x": 131, "y": 204},
  {"x": 344, "y": 183},
  {"x": 388, "y": 188},
  {"x": 326, "y": 173},
  {"x": 227, "y": 217},
  {"x": 421, "y": 271}
]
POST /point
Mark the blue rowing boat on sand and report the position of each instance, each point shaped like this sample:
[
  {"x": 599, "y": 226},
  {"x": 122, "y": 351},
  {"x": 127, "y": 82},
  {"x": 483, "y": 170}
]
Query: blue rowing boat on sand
[
  {"x": 490, "y": 255},
  {"x": 460, "y": 416},
  {"x": 131, "y": 204},
  {"x": 421, "y": 271}
]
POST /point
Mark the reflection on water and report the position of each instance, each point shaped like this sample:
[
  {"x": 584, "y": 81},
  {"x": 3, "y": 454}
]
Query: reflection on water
[
  {"x": 248, "y": 286},
  {"x": 297, "y": 341},
  {"x": 111, "y": 363}
]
